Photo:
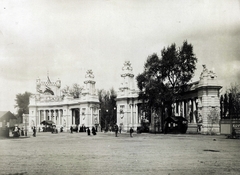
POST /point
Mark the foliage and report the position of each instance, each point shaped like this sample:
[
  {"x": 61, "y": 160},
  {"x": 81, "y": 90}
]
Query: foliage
[
  {"x": 163, "y": 79},
  {"x": 231, "y": 101},
  {"x": 178, "y": 66},
  {"x": 22, "y": 102},
  {"x": 151, "y": 85},
  {"x": 74, "y": 91},
  {"x": 108, "y": 106}
]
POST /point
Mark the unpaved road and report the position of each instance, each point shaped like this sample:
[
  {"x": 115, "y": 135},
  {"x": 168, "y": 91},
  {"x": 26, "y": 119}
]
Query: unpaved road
[{"x": 77, "y": 153}]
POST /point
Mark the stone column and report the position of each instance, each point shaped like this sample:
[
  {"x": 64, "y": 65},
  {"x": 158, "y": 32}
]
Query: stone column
[
  {"x": 74, "y": 116},
  {"x": 44, "y": 114},
  {"x": 183, "y": 108},
  {"x": 54, "y": 116},
  {"x": 194, "y": 109},
  {"x": 136, "y": 109},
  {"x": 70, "y": 118},
  {"x": 61, "y": 117},
  {"x": 91, "y": 118},
  {"x": 179, "y": 109},
  {"x": 131, "y": 115}
]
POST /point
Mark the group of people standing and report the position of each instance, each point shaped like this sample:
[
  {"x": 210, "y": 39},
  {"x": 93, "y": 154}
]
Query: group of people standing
[
  {"x": 94, "y": 132},
  {"x": 116, "y": 130}
]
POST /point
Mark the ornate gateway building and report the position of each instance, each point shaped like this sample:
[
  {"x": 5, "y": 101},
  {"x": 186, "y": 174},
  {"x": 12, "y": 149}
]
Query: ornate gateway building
[
  {"x": 199, "y": 105},
  {"x": 50, "y": 104}
]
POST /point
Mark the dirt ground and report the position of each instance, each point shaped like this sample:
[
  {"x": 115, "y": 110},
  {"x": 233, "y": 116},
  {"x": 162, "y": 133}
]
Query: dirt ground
[{"x": 77, "y": 153}]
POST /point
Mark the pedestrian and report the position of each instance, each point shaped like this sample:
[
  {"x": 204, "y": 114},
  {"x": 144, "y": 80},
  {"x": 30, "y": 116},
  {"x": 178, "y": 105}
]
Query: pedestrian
[
  {"x": 22, "y": 133},
  {"x": 234, "y": 134},
  {"x": 71, "y": 129},
  {"x": 116, "y": 130},
  {"x": 120, "y": 129},
  {"x": 88, "y": 131},
  {"x": 34, "y": 131},
  {"x": 131, "y": 132},
  {"x": 93, "y": 131}
]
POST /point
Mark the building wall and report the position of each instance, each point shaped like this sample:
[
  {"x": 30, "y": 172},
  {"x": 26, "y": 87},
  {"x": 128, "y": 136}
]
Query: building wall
[
  {"x": 200, "y": 105},
  {"x": 64, "y": 108}
]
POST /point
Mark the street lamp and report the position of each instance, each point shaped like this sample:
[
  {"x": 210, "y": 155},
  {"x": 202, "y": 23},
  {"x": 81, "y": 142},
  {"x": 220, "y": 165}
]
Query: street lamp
[
  {"x": 106, "y": 127},
  {"x": 114, "y": 116}
]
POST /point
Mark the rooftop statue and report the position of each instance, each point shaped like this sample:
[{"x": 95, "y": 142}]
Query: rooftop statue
[
  {"x": 89, "y": 74},
  {"x": 127, "y": 66}
]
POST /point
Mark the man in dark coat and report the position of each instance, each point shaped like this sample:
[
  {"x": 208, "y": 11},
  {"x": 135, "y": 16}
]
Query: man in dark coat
[
  {"x": 93, "y": 131},
  {"x": 34, "y": 131},
  {"x": 116, "y": 130},
  {"x": 131, "y": 132},
  {"x": 88, "y": 131}
]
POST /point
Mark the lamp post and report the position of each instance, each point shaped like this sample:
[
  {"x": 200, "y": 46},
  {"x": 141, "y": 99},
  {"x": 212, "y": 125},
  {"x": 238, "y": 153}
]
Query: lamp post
[
  {"x": 114, "y": 116},
  {"x": 106, "y": 127},
  {"x": 100, "y": 120}
]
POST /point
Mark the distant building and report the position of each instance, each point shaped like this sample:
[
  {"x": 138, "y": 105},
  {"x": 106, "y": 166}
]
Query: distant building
[
  {"x": 199, "y": 104},
  {"x": 7, "y": 120},
  {"x": 49, "y": 103}
]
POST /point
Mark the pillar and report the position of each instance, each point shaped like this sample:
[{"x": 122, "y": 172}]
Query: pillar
[
  {"x": 131, "y": 115},
  {"x": 91, "y": 118},
  {"x": 54, "y": 116},
  {"x": 183, "y": 110},
  {"x": 60, "y": 117},
  {"x": 44, "y": 114},
  {"x": 136, "y": 109},
  {"x": 194, "y": 109}
]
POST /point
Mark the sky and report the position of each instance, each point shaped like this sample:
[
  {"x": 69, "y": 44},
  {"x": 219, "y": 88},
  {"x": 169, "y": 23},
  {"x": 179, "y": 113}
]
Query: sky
[{"x": 64, "y": 39}]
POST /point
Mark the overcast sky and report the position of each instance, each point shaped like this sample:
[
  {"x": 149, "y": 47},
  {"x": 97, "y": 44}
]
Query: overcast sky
[{"x": 67, "y": 38}]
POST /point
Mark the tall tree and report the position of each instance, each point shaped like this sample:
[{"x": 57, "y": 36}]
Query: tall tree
[
  {"x": 151, "y": 85},
  {"x": 22, "y": 102},
  {"x": 108, "y": 107},
  {"x": 74, "y": 91},
  {"x": 178, "y": 66},
  {"x": 163, "y": 79}
]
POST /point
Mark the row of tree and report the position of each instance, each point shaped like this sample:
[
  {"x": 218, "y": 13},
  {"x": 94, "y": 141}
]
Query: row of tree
[{"x": 230, "y": 102}]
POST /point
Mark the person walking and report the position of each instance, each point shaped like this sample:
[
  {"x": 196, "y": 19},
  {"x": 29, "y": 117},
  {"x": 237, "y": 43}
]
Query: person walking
[
  {"x": 34, "y": 131},
  {"x": 116, "y": 130},
  {"x": 22, "y": 132},
  {"x": 131, "y": 132},
  {"x": 88, "y": 131},
  {"x": 71, "y": 129},
  {"x": 93, "y": 131}
]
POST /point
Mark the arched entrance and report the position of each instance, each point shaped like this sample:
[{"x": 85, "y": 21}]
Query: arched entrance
[{"x": 75, "y": 116}]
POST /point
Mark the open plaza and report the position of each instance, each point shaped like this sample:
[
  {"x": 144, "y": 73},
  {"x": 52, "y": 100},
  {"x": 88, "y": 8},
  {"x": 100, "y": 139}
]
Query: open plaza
[{"x": 78, "y": 153}]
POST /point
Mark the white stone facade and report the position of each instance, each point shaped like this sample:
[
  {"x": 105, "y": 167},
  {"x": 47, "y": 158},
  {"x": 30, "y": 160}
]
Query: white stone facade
[
  {"x": 128, "y": 112},
  {"x": 49, "y": 104},
  {"x": 199, "y": 105}
]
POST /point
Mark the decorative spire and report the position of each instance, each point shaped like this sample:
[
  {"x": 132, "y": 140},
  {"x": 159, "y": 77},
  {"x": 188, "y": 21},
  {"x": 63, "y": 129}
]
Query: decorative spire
[
  {"x": 89, "y": 77},
  {"x": 127, "y": 68}
]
